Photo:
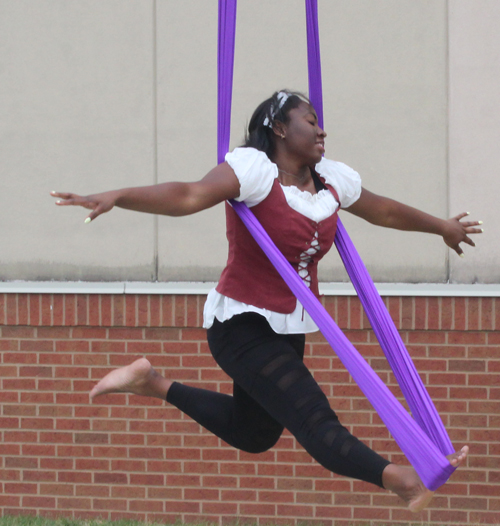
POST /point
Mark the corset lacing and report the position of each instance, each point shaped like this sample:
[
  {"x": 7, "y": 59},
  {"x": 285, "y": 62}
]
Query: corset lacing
[{"x": 305, "y": 258}]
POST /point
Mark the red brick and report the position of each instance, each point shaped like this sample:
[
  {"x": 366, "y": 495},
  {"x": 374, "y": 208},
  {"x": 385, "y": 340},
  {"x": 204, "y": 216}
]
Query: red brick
[
  {"x": 130, "y": 310},
  {"x": 433, "y": 313},
  {"x": 128, "y": 439},
  {"x": 11, "y": 309},
  {"x": 194, "y": 334},
  {"x": 110, "y": 452},
  {"x": 168, "y": 333},
  {"x": 92, "y": 464},
  {"x": 420, "y": 313},
  {"x": 342, "y": 312},
  {"x": 483, "y": 517},
  {"x": 467, "y": 365},
  {"x": 167, "y": 311},
  {"x": 23, "y": 309},
  {"x": 21, "y": 462},
  {"x": 106, "y": 310},
  {"x": 76, "y": 477},
  {"x": 433, "y": 337},
  {"x": 21, "y": 384},
  {"x": 108, "y": 347},
  {"x": 180, "y": 310},
  {"x": 8, "y": 370},
  {"x": 20, "y": 488},
  {"x": 482, "y": 352},
  {"x": 118, "y": 309},
  {"x": 154, "y": 310},
  {"x": 69, "y": 309},
  {"x": 147, "y": 479},
  {"x": 486, "y": 319},
  {"x": 46, "y": 309},
  {"x": 94, "y": 309},
  {"x": 18, "y": 332},
  {"x": 485, "y": 435},
  {"x": 74, "y": 503},
  {"x": 9, "y": 345},
  {"x": 110, "y": 478},
  {"x": 144, "y": 348},
  {"x": 473, "y": 314},
  {"x": 192, "y": 311},
  {"x": 143, "y": 310},
  {"x": 464, "y": 338},
  {"x": 10, "y": 500},
  {"x": 258, "y": 509},
  {"x": 58, "y": 309},
  {"x": 484, "y": 379},
  {"x": 91, "y": 438},
  {"x": 92, "y": 490},
  {"x": 162, "y": 466},
  {"x": 143, "y": 505},
  {"x": 36, "y": 345},
  {"x": 3, "y": 310}
]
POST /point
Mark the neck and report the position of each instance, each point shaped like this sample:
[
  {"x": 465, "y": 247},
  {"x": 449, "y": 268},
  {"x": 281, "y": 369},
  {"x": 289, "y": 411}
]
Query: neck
[
  {"x": 301, "y": 178},
  {"x": 292, "y": 170}
]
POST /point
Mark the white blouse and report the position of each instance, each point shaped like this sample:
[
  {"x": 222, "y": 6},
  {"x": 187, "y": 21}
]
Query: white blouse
[{"x": 256, "y": 174}]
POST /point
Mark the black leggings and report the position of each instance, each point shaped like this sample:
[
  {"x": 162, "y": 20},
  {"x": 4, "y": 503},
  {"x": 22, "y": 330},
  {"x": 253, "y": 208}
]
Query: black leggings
[{"x": 273, "y": 389}]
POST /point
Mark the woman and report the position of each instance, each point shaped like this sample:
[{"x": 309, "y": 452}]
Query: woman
[{"x": 256, "y": 328}]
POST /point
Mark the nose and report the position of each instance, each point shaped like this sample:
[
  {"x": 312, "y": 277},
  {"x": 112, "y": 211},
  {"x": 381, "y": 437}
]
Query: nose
[{"x": 322, "y": 133}]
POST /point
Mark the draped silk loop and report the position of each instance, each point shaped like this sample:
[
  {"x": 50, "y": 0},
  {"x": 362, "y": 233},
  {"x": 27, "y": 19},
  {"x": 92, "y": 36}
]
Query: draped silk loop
[{"x": 424, "y": 441}]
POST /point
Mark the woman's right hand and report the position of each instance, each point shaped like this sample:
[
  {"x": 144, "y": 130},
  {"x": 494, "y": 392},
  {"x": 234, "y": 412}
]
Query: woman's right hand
[{"x": 98, "y": 203}]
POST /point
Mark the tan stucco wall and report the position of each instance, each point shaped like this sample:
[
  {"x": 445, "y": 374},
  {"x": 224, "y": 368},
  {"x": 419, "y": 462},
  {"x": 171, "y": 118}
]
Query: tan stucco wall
[
  {"x": 475, "y": 131},
  {"x": 108, "y": 93}
]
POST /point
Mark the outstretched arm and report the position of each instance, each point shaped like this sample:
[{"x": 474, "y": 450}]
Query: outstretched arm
[
  {"x": 386, "y": 212},
  {"x": 172, "y": 199}
]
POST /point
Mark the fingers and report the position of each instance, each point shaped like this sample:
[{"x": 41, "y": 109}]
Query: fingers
[
  {"x": 460, "y": 216},
  {"x": 96, "y": 212},
  {"x": 474, "y": 230},
  {"x": 67, "y": 198},
  {"x": 63, "y": 195},
  {"x": 469, "y": 224},
  {"x": 469, "y": 241}
]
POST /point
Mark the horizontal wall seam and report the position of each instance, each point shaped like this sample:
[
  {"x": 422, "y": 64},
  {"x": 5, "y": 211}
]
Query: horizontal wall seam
[{"x": 326, "y": 289}]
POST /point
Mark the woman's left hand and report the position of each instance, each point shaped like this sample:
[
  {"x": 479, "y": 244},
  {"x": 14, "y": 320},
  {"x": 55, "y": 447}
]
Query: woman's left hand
[{"x": 456, "y": 232}]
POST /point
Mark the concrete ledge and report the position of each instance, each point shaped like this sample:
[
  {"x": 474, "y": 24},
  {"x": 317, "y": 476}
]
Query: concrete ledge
[{"x": 328, "y": 289}]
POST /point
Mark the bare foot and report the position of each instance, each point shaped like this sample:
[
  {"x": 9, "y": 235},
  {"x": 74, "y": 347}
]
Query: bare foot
[
  {"x": 458, "y": 457},
  {"x": 138, "y": 378},
  {"x": 405, "y": 482}
]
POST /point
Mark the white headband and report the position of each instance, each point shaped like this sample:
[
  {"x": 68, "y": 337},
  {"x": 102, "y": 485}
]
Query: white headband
[{"x": 282, "y": 98}]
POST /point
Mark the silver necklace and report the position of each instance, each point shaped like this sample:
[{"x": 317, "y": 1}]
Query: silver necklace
[{"x": 301, "y": 179}]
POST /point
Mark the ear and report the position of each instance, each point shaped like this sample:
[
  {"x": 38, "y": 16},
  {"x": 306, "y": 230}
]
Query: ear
[{"x": 279, "y": 128}]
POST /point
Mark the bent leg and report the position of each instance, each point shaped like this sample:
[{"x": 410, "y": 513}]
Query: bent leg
[
  {"x": 238, "y": 420},
  {"x": 269, "y": 367}
]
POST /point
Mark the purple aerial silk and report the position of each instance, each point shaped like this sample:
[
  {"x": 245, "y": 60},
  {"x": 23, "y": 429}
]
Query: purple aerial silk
[
  {"x": 424, "y": 449},
  {"x": 419, "y": 401},
  {"x": 225, "y": 62}
]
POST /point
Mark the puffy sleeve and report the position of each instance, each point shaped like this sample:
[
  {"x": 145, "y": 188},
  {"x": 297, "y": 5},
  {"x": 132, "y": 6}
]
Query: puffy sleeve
[
  {"x": 344, "y": 179},
  {"x": 255, "y": 172}
]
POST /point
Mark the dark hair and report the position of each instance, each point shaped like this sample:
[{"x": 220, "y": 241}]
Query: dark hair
[{"x": 261, "y": 136}]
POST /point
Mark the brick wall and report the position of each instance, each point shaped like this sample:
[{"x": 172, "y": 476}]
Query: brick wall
[{"x": 128, "y": 456}]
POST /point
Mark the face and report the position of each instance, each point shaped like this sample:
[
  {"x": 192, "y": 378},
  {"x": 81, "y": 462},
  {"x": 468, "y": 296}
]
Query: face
[{"x": 303, "y": 135}]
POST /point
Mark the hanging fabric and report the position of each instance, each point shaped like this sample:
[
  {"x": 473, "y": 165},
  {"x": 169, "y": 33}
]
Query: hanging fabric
[
  {"x": 424, "y": 449},
  {"x": 419, "y": 401}
]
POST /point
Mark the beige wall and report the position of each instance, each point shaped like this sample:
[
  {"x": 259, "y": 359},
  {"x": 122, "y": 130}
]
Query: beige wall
[
  {"x": 475, "y": 131},
  {"x": 97, "y": 94}
]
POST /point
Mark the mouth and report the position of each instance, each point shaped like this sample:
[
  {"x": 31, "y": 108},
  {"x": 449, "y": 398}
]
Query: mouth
[{"x": 321, "y": 146}]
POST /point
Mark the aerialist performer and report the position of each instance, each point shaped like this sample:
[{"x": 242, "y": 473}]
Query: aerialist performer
[{"x": 255, "y": 326}]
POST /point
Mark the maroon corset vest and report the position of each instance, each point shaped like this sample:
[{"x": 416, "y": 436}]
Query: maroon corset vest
[{"x": 249, "y": 276}]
